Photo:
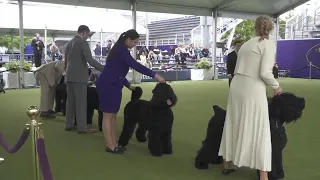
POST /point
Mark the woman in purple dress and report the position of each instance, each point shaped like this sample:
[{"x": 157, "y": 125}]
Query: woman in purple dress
[{"x": 111, "y": 81}]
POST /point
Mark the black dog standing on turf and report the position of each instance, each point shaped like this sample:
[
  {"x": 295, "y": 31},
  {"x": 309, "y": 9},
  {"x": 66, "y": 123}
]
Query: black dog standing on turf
[
  {"x": 154, "y": 116},
  {"x": 283, "y": 109},
  {"x": 208, "y": 154}
]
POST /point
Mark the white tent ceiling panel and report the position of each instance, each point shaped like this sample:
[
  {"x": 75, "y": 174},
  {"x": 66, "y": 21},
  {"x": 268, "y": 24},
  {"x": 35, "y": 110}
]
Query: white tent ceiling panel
[
  {"x": 192, "y": 7},
  {"x": 64, "y": 19}
]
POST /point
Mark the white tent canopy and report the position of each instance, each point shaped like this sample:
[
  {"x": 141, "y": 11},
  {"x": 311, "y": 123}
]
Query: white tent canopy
[
  {"x": 63, "y": 19},
  {"x": 228, "y": 8}
]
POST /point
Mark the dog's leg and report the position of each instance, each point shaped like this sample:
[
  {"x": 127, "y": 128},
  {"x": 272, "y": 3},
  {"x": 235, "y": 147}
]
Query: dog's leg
[
  {"x": 100, "y": 119},
  {"x": 154, "y": 142},
  {"x": 279, "y": 142},
  {"x": 90, "y": 113},
  {"x": 166, "y": 142},
  {"x": 141, "y": 134},
  {"x": 58, "y": 101},
  {"x": 64, "y": 105},
  {"x": 127, "y": 131}
]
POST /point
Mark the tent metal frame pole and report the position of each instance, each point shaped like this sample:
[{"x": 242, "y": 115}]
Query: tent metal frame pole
[
  {"x": 214, "y": 43},
  {"x": 21, "y": 36},
  {"x": 134, "y": 26}
]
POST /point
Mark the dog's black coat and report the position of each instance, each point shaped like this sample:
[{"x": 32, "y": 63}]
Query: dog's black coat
[
  {"x": 210, "y": 146},
  {"x": 154, "y": 116},
  {"x": 283, "y": 109},
  {"x": 92, "y": 102}
]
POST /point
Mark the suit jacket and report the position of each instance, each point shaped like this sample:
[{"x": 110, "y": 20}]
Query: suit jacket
[
  {"x": 52, "y": 71},
  {"x": 37, "y": 47},
  {"x": 77, "y": 57},
  {"x": 231, "y": 62}
]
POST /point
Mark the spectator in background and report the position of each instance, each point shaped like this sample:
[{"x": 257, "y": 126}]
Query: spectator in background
[
  {"x": 55, "y": 51},
  {"x": 29, "y": 51},
  {"x": 97, "y": 50},
  {"x": 275, "y": 70},
  {"x": 172, "y": 50},
  {"x": 232, "y": 60},
  {"x": 151, "y": 55},
  {"x": 198, "y": 52},
  {"x": 157, "y": 53},
  {"x": 205, "y": 52},
  {"x": 183, "y": 54},
  {"x": 143, "y": 49},
  {"x": 109, "y": 46},
  {"x": 145, "y": 61},
  {"x": 191, "y": 52},
  {"x": 38, "y": 46}
]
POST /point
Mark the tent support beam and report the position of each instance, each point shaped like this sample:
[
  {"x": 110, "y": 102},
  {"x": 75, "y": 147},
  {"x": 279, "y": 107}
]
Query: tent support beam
[{"x": 21, "y": 36}]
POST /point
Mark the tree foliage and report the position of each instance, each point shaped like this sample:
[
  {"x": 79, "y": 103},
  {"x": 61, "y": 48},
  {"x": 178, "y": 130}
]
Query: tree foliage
[
  {"x": 6, "y": 41},
  {"x": 245, "y": 31}
]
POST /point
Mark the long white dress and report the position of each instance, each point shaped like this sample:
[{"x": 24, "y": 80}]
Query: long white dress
[{"x": 246, "y": 139}]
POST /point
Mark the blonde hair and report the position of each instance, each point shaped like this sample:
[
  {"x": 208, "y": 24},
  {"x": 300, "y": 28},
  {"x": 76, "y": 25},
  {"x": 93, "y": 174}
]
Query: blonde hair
[{"x": 263, "y": 27}]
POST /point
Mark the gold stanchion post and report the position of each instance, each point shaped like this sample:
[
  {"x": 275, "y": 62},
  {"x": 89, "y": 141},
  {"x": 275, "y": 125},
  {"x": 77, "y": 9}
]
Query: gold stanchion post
[{"x": 33, "y": 112}]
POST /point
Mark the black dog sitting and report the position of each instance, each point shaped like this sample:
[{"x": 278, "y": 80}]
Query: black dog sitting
[
  {"x": 285, "y": 108},
  {"x": 154, "y": 116}
]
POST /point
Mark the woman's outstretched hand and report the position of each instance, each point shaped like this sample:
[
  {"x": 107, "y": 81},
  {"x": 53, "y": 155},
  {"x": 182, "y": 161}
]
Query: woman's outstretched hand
[
  {"x": 159, "y": 78},
  {"x": 278, "y": 91},
  {"x": 132, "y": 88}
]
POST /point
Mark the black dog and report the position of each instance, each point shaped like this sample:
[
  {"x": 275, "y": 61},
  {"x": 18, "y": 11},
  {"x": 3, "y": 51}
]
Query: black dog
[
  {"x": 154, "y": 116},
  {"x": 285, "y": 108},
  {"x": 92, "y": 102},
  {"x": 210, "y": 146}
]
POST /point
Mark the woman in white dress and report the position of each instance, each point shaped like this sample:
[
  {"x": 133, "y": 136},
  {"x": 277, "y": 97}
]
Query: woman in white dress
[{"x": 246, "y": 139}]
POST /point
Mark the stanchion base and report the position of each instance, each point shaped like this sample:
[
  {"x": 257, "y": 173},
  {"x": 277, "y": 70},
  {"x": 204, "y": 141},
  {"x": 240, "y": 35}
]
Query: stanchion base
[{"x": 1, "y": 160}]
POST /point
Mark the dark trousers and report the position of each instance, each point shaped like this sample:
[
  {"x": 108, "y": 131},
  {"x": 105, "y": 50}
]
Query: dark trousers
[
  {"x": 37, "y": 58},
  {"x": 230, "y": 79}
]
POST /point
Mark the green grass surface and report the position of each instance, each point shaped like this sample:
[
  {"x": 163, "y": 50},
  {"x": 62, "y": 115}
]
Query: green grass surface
[{"x": 82, "y": 157}]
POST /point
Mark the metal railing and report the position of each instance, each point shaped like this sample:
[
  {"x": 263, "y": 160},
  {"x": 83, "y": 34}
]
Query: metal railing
[
  {"x": 317, "y": 17},
  {"x": 303, "y": 28}
]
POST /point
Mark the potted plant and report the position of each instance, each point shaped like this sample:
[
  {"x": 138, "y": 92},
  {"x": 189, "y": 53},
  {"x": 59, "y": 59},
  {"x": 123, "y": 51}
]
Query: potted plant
[
  {"x": 29, "y": 79},
  {"x": 12, "y": 66},
  {"x": 11, "y": 77},
  {"x": 203, "y": 71}
]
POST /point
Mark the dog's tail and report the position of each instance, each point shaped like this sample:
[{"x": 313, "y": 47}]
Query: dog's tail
[{"x": 136, "y": 94}]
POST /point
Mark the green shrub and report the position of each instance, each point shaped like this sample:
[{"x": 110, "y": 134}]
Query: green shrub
[
  {"x": 14, "y": 66},
  {"x": 204, "y": 63}
]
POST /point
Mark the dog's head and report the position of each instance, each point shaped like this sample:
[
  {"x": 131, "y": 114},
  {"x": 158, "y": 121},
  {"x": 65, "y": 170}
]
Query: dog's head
[
  {"x": 219, "y": 111},
  {"x": 136, "y": 93},
  {"x": 287, "y": 107},
  {"x": 163, "y": 95}
]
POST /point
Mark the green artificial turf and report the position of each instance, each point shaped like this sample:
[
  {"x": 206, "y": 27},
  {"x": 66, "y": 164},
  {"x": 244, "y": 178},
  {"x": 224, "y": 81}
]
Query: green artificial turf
[{"x": 82, "y": 157}]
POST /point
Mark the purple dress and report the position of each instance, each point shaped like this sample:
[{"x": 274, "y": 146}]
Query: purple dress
[{"x": 113, "y": 78}]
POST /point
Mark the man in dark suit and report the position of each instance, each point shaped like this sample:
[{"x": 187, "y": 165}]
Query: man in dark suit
[
  {"x": 77, "y": 57},
  {"x": 38, "y": 47},
  {"x": 232, "y": 60}
]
